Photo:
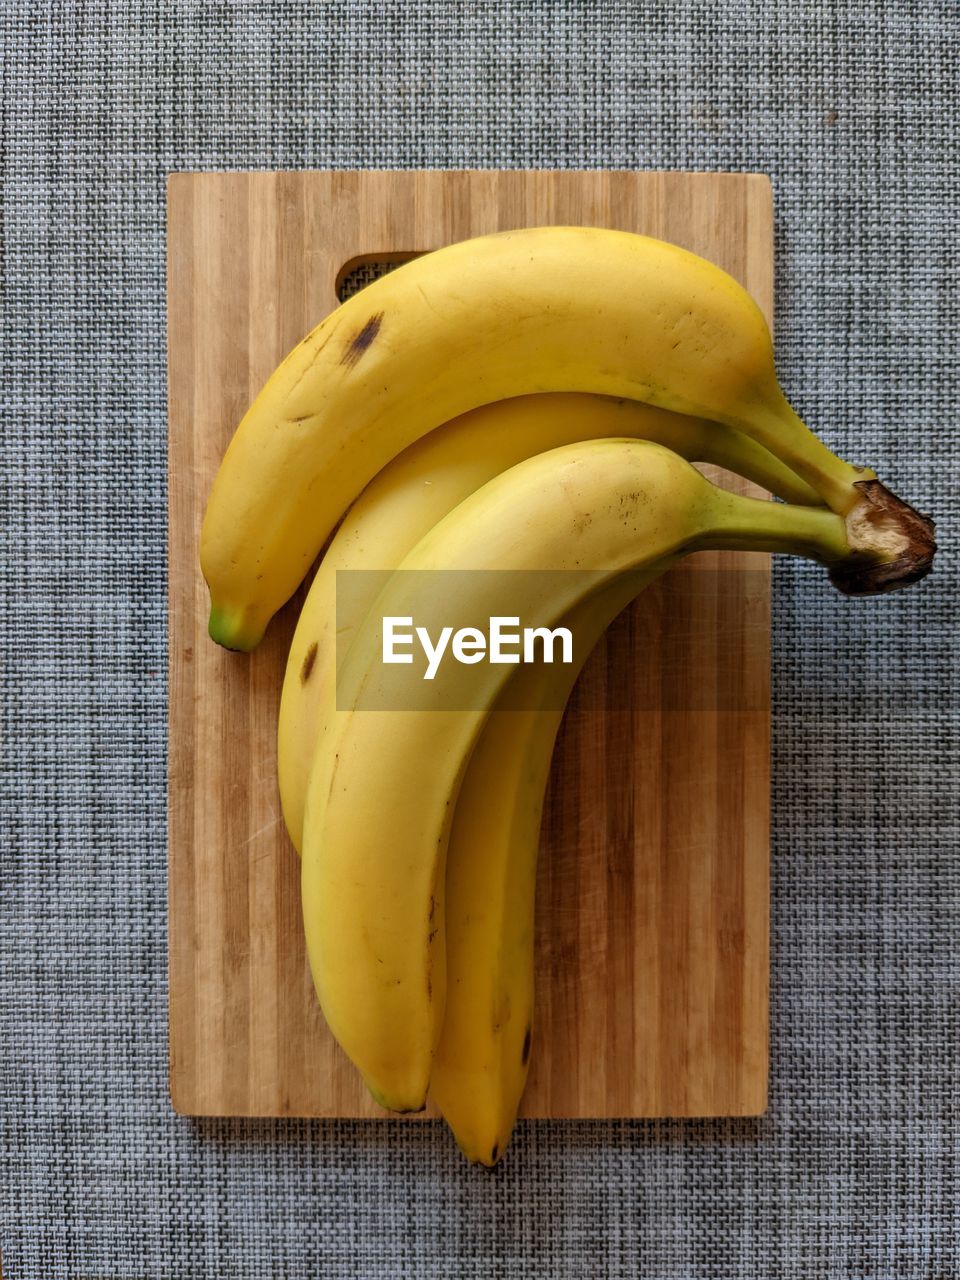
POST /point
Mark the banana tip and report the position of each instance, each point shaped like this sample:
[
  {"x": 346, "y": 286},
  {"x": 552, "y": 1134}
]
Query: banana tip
[
  {"x": 413, "y": 1104},
  {"x": 231, "y": 630}
]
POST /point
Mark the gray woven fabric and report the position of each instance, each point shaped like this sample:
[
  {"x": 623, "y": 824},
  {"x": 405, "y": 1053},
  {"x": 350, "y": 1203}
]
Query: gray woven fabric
[{"x": 852, "y": 109}]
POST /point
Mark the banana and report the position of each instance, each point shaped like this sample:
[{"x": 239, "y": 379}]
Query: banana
[
  {"x": 376, "y": 821},
  {"x": 480, "y": 1065},
  {"x": 543, "y": 309},
  {"x": 421, "y": 486}
]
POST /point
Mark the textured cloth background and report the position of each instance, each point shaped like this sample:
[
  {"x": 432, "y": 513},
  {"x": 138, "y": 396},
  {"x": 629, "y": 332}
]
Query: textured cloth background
[{"x": 852, "y": 109}]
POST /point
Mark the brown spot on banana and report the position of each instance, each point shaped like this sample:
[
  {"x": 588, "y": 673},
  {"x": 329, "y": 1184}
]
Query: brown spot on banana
[
  {"x": 361, "y": 340},
  {"x": 308, "y": 663}
]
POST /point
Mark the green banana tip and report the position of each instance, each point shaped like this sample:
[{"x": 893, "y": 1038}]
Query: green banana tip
[
  {"x": 231, "y": 630},
  {"x": 400, "y": 1106}
]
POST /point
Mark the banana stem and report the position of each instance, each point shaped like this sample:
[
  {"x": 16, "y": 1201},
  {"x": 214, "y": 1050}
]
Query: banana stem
[
  {"x": 880, "y": 543},
  {"x": 741, "y": 454},
  {"x": 891, "y": 543},
  {"x": 781, "y": 430},
  {"x": 754, "y": 524}
]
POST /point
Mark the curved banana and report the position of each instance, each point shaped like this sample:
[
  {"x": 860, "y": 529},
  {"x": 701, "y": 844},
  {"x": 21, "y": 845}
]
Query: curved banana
[
  {"x": 377, "y": 821},
  {"x": 420, "y": 487},
  {"x": 544, "y": 309},
  {"x": 480, "y": 1065}
]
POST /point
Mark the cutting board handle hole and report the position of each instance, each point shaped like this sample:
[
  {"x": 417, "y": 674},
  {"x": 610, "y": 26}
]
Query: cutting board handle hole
[{"x": 356, "y": 273}]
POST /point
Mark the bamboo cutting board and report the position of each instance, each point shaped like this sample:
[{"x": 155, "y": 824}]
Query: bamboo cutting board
[{"x": 652, "y": 930}]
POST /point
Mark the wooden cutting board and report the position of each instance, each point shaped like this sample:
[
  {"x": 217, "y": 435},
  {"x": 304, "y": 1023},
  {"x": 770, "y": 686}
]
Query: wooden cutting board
[{"x": 652, "y": 929}]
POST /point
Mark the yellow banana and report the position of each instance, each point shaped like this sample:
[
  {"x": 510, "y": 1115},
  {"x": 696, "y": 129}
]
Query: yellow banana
[
  {"x": 384, "y": 781},
  {"x": 544, "y": 309},
  {"x": 480, "y": 1065},
  {"x": 420, "y": 487}
]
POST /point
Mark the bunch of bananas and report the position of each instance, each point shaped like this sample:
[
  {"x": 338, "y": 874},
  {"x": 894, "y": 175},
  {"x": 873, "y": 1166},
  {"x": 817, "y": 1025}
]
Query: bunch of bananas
[{"x": 526, "y": 401}]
